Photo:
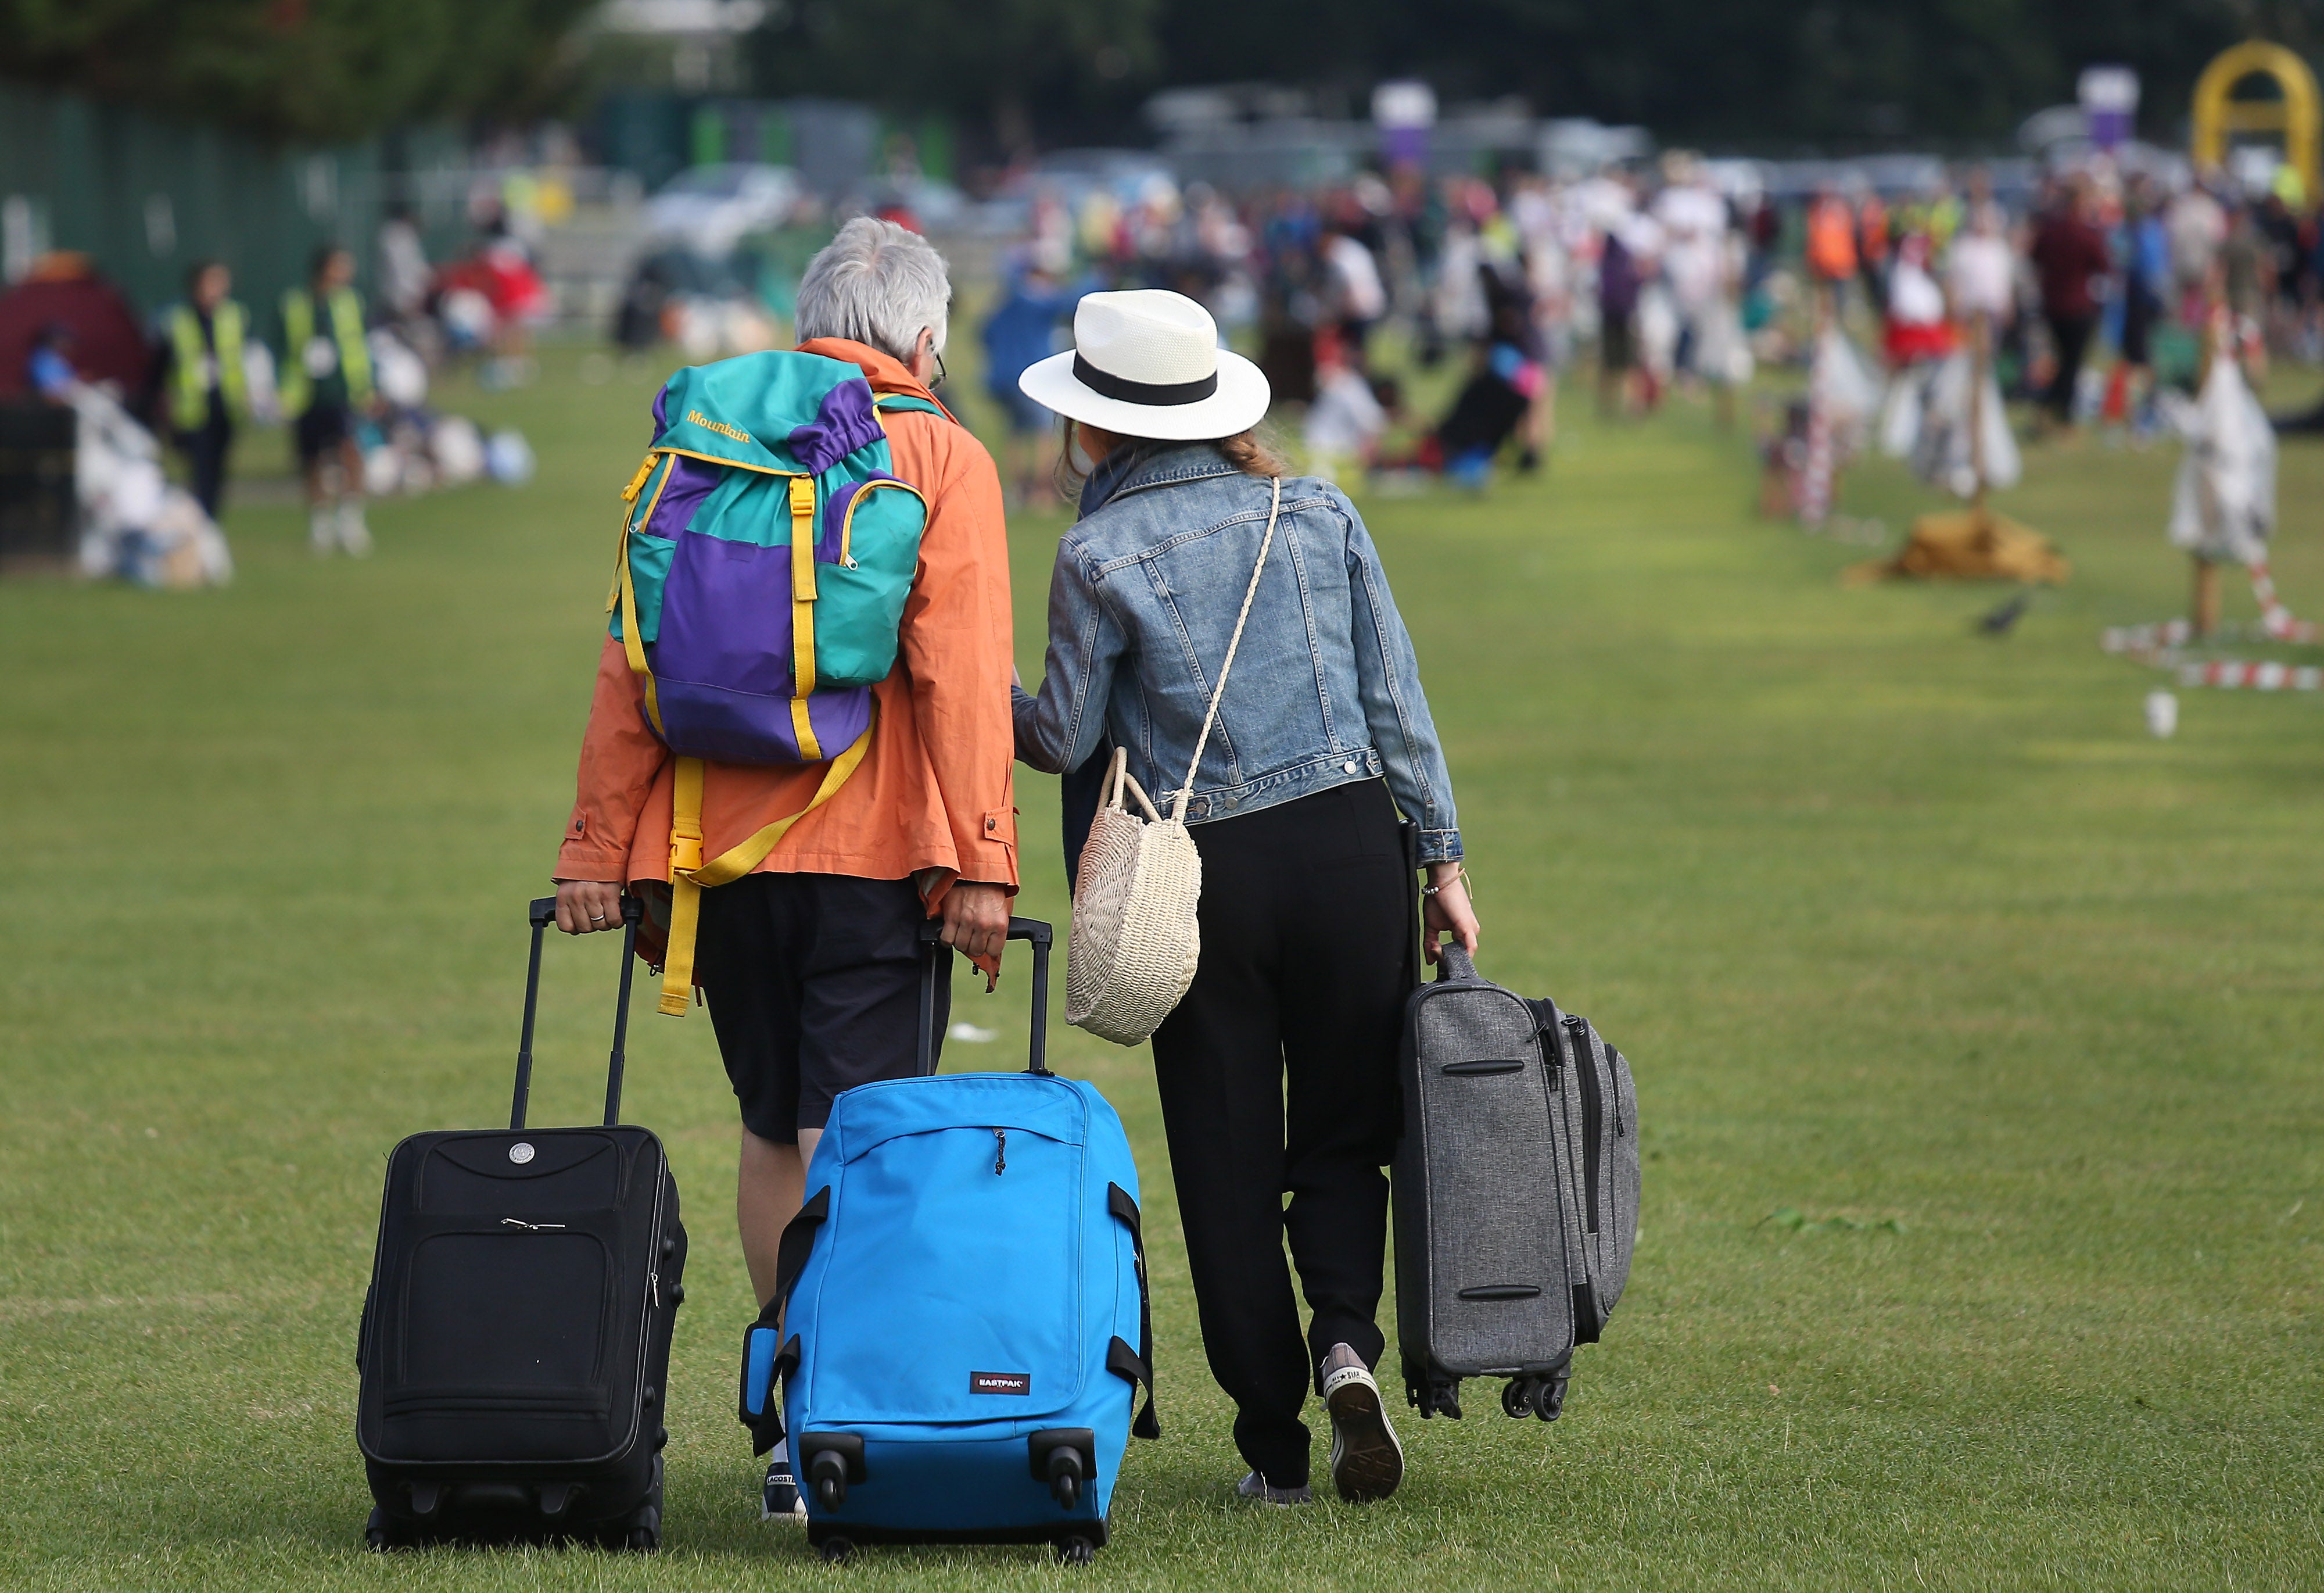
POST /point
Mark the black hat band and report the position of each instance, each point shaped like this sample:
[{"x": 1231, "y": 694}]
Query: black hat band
[{"x": 1147, "y": 392}]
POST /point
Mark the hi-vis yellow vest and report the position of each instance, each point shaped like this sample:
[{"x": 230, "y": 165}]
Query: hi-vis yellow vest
[
  {"x": 296, "y": 386},
  {"x": 189, "y": 385}
]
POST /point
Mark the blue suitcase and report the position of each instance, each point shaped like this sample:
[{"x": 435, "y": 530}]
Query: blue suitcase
[{"x": 968, "y": 1322}]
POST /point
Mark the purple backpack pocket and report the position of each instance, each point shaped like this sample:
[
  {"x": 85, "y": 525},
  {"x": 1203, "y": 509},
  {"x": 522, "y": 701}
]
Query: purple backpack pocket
[{"x": 722, "y": 662}]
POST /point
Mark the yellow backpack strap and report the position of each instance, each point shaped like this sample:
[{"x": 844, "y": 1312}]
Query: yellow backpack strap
[
  {"x": 633, "y": 645},
  {"x": 689, "y": 875},
  {"x": 803, "y": 595}
]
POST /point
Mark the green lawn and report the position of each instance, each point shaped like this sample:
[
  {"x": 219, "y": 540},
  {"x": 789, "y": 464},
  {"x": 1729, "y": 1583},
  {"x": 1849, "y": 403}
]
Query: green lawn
[{"x": 1897, "y": 922}]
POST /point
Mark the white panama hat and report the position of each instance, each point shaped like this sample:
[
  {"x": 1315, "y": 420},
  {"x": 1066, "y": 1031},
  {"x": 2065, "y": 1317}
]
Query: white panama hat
[{"x": 1147, "y": 362}]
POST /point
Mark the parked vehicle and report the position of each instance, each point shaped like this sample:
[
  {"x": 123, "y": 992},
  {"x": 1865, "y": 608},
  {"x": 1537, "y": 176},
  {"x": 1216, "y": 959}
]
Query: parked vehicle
[{"x": 710, "y": 208}]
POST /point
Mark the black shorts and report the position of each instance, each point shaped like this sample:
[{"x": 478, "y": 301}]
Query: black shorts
[
  {"x": 813, "y": 981},
  {"x": 321, "y": 429},
  {"x": 1618, "y": 346}
]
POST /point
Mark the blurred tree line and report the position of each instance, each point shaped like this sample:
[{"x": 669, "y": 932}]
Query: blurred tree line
[
  {"x": 304, "y": 70},
  {"x": 1763, "y": 75}
]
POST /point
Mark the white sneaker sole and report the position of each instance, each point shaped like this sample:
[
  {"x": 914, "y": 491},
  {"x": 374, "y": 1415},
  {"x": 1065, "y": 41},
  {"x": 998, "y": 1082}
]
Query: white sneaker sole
[{"x": 1367, "y": 1461}]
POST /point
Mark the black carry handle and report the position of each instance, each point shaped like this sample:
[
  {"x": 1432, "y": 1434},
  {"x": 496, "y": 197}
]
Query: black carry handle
[
  {"x": 544, "y": 913},
  {"x": 936, "y": 955}
]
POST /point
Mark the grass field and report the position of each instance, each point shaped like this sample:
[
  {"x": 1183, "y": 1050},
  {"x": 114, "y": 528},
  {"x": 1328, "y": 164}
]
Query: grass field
[{"x": 1911, "y": 933}]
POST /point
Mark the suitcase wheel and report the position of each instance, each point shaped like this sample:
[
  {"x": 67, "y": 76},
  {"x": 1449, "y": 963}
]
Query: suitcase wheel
[
  {"x": 640, "y": 1531},
  {"x": 1543, "y": 1397},
  {"x": 1438, "y": 1397},
  {"x": 644, "y": 1537},
  {"x": 1075, "y": 1549},
  {"x": 836, "y": 1549},
  {"x": 383, "y": 1532}
]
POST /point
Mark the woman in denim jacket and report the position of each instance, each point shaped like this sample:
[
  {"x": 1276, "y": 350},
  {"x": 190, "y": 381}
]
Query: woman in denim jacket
[{"x": 1322, "y": 739}]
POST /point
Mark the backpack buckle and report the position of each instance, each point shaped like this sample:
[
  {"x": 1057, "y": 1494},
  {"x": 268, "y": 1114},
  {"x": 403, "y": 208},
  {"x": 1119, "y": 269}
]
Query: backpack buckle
[
  {"x": 685, "y": 845},
  {"x": 638, "y": 482}
]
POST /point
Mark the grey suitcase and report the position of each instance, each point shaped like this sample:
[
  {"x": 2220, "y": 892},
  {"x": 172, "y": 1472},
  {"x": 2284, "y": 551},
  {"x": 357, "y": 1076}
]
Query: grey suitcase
[{"x": 1516, "y": 1191}]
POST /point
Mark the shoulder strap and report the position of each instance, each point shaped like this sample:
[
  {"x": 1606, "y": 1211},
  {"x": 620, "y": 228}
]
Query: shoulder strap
[
  {"x": 889, "y": 403},
  {"x": 691, "y": 875},
  {"x": 1211, "y": 714}
]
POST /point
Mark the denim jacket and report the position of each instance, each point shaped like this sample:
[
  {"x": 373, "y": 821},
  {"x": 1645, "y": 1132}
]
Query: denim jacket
[{"x": 1324, "y": 690}]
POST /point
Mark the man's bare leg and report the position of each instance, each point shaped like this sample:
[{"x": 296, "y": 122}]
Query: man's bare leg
[
  {"x": 322, "y": 530},
  {"x": 355, "y": 536},
  {"x": 769, "y": 1189}
]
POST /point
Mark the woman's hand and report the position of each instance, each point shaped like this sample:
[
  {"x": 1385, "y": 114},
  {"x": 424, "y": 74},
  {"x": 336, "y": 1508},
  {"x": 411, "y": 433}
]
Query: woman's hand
[
  {"x": 585, "y": 906},
  {"x": 1448, "y": 912}
]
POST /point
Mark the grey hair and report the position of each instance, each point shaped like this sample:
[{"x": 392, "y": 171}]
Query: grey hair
[{"x": 878, "y": 284}]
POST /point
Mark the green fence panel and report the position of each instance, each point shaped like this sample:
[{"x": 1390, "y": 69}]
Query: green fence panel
[{"x": 146, "y": 197}]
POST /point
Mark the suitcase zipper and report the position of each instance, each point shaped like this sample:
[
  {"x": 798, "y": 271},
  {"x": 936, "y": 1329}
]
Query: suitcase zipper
[
  {"x": 1000, "y": 1152},
  {"x": 1593, "y": 1112}
]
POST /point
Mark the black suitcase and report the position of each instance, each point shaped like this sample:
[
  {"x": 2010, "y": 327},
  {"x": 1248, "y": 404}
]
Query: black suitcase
[
  {"x": 516, "y": 1340},
  {"x": 1516, "y": 1189}
]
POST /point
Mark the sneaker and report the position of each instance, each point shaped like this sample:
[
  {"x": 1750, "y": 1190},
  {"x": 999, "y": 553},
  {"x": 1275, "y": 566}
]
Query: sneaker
[
  {"x": 1367, "y": 1461},
  {"x": 1258, "y": 1489},
  {"x": 779, "y": 1498},
  {"x": 355, "y": 536},
  {"x": 322, "y": 533}
]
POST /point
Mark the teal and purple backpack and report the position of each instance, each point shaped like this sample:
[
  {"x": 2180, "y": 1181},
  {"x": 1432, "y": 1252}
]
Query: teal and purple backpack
[{"x": 767, "y": 550}]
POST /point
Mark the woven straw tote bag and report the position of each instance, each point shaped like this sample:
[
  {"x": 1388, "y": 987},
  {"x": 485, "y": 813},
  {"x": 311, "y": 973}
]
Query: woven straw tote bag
[{"x": 1135, "y": 944}]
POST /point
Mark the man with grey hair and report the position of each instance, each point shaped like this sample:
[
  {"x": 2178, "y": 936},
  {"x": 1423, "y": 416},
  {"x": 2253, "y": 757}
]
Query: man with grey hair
[
  {"x": 810, "y": 964},
  {"x": 882, "y": 285}
]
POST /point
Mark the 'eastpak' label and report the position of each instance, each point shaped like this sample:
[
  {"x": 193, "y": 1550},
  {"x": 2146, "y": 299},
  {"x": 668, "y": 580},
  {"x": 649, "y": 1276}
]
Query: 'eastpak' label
[{"x": 1000, "y": 1383}]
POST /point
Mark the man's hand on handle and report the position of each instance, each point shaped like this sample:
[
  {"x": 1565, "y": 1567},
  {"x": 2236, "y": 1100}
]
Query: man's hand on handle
[
  {"x": 583, "y": 906},
  {"x": 975, "y": 918},
  {"x": 1446, "y": 912}
]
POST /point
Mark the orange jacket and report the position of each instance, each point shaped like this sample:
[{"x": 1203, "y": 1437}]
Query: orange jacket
[
  {"x": 1831, "y": 239},
  {"x": 934, "y": 791}
]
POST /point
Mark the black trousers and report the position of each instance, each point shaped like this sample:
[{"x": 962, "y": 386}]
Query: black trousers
[
  {"x": 1278, "y": 1075},
  {"x": 206, "y": 454},
  {"x": 2071, "y": 334}
]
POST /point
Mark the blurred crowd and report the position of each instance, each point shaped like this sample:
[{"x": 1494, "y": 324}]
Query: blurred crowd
[
  {"x": 2094, "y": 289},
  {"x": 1412, "y": 327}
]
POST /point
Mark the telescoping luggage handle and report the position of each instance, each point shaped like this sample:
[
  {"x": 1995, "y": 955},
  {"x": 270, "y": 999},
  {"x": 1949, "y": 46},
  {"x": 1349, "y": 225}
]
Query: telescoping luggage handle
[
  {"x": 544, "y": 913},
  {"x": 935, "y": 956}
]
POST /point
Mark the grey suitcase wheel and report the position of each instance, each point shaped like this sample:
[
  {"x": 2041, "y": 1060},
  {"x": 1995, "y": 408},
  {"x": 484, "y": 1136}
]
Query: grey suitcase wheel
[
  {"x": 1549, "y": 1397},
  {"x": 1516, "y": 1397}
]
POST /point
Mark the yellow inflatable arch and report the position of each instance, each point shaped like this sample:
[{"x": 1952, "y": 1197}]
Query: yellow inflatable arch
[{"x": 2295, "y": 117}]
